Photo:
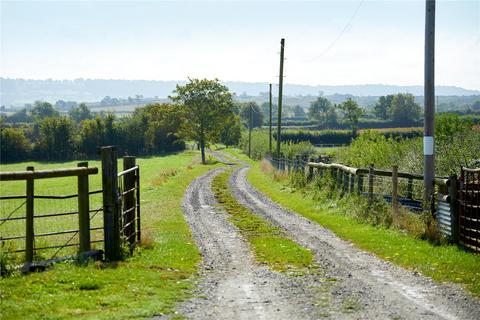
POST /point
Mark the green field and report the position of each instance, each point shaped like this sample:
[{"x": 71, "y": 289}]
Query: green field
[{"x": 148, "y": 283}]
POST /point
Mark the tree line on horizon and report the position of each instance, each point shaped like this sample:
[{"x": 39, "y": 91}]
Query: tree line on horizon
[{"x": 201, "y": 110}]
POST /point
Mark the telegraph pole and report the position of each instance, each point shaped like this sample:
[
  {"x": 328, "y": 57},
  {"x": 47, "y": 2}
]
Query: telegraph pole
[
  {"x": 250, "y": 125},
  {"x": 429, "y": 95},
  {"x": 270, "y": 126},
  {"x": 280, "y": 93}
]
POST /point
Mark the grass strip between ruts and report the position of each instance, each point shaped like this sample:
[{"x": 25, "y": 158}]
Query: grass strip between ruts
[{"x": 269, "y": 243}]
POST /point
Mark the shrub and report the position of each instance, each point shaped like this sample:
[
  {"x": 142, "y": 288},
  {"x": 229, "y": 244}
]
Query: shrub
[{"x": 14, "y": 146}]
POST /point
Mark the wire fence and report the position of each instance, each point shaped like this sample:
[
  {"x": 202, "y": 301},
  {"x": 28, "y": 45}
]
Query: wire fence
[
  {"x": 40, "y": 219},
  {"x": 369, "y": 182}
]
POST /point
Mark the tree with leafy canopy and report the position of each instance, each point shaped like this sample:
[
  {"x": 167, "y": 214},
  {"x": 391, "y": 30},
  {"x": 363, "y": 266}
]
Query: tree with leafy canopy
[
  {"x": 298, "y": 112},
  {"x": 80, "y": 113},
  {"x": 404, "y": 109},
  {"x": 42, "y": 109},
  {"x": 383, "y": 106},
  {"x": 232, "y": 131},
  {"x": 323, "y": 111},
  {"x": 14, "y": 145},
  {"x": 257, "y": 114},
  {"x": 19, "y": 116},
  {"x": 351, "y": 113},
  {"x": 206, "y": 105},
  {"x": 56, "y": 138}
]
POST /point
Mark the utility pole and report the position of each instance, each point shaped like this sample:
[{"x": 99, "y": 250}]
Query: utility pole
[
  {"x": 250, "y": 125},
  {"x": 429, "y": 114},
  {"x": 270, "y": 126},
  {"x": 280, "y": 93}
]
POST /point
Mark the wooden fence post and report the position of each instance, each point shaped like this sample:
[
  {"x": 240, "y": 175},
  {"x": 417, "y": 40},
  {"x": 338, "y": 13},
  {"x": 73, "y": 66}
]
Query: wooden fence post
[
  {"x": 129, "y": 201},
  {"x": 370, "y": 183},
  {"x": 111, "y": 219},
  {"x": 137, "y": 203},
  {"x": 310, "y": 171},
  {"x": 410, "y": 188},
  {"x": 359, "y": 184},
  {"x": 352, "y": 183},
  {"x": 339, "y": 175},
  {"x": 345, "y": 181},
  {"x": 83, "y": 210},
  {"x": 395, "y": 188},
  {"x": 29, "y": 231},
  {"x": 453, "y": 192}
]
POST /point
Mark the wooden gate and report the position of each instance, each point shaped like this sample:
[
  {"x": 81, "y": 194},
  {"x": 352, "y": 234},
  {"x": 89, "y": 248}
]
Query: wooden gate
[{"x": 469, "y": 209}]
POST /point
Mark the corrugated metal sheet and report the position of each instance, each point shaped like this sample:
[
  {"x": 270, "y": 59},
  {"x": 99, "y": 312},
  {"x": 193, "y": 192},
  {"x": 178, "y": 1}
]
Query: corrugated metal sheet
[{"x": 444, "y": 221}]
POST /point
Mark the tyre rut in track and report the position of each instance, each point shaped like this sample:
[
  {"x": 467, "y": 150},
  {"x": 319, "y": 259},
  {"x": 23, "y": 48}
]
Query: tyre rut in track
[
  {"x": 231, "y": 284},
  {"x": 378, "y": 289}
]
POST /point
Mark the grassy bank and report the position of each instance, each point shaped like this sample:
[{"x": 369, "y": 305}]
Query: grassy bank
[
  {"x": 149, "y": 283},
  {"x": 446, "y": 263},
  {"x": 269, "y": 243}
]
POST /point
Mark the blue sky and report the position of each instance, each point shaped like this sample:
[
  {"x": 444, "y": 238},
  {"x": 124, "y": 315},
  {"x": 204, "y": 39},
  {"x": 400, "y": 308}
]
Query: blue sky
[{"x": 383, "y": 43}]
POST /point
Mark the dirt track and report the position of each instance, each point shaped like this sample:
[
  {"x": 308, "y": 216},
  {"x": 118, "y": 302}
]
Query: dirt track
[
  {"x": 232, "y": 285},
  {"x": 350, "y": 283}
]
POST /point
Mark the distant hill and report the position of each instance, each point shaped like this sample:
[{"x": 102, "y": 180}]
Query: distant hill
[{"x": 20, "y": 91}]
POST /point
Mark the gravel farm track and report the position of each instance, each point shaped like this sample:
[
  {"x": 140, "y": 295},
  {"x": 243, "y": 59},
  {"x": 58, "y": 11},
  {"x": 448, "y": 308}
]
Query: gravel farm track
[{"x": 349, "y": 283}]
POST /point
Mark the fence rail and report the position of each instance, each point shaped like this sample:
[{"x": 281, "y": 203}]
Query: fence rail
[
  {"x": 120, "y": 206},
  {"x": 456, "y": 204},
  {"x": 81, "y": 172},
  {"x": 129, "y": 198}
]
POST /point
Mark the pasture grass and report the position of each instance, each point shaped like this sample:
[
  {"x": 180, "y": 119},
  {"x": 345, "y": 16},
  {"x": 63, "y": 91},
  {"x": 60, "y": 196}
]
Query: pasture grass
[
  {"x": 158, "y": 275},
  {"x": 269, "y": 243},
  {"x": 443, "y": 263}
]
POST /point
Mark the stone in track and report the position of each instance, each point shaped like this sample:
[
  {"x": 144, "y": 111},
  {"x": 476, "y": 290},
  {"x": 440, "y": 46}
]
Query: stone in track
[{"x": 379, "y": 289}]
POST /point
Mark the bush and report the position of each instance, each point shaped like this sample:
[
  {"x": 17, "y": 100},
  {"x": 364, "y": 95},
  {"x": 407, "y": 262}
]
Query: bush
[
  {"x": 260, "y": 148},
  {"x": 14, "y": 146},
  {"x": 56, "y": 139},
  {"x": 318, "y": 137}
]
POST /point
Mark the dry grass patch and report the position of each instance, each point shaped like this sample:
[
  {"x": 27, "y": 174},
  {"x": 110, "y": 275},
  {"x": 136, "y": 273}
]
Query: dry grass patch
[{"x": 163, "y": 176}]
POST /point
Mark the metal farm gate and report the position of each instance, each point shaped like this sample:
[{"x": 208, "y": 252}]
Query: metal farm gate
[{"x": 469, "y": 209}]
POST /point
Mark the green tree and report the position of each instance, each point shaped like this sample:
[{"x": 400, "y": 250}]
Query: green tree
[
  {"x": 80, "y": 113},
  {"x": 299, "y": 112},
  {"x": 56, "y": 138},
  {"x": 14, "y": 145},
  {"x": 163, "y": 123},
  {"x": 324, "y": 112},
  {"x": 265, "y": 107},
  {"x": 476, "y": 105},
  {"x": 92, "y": 135},
  {"x": 257, "y": 114},
  {"x": 404, "y": 109},
  {"x": 206, "y": 105},
  {"x": 383, "y": 106},
  {"x": 351, "y": 113},
  {"x": 232, "y": 131},
  {"x": 42, "y": 109},
  {"x": 457, "y": 143},
  {"x": 19, "y": 116}
]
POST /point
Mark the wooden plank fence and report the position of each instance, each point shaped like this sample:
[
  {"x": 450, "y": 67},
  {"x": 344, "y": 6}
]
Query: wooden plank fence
[
  {"x": 456, "y": 204},
  {"x": 121, "y": 207}
]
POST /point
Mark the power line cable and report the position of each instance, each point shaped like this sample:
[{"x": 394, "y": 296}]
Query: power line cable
[{"x": 347, "y": 25}]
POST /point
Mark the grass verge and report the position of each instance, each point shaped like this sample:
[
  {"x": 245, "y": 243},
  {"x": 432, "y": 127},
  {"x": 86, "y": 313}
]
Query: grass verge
[
  {"x": 444, "y": 263},
  {"x": 269, "y": 243},
  {"x": 148, "y": 283}
]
